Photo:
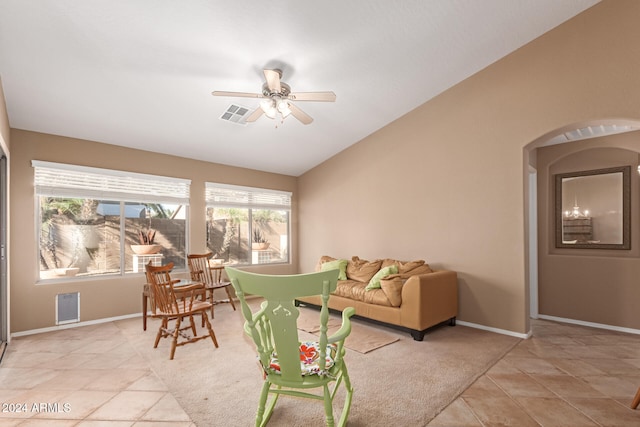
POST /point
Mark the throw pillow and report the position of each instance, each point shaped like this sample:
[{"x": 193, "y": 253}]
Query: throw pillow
[
  {"x": 392, "y": 288},
  {"x": 322, "y": 260},
  {"x": 374, "y": 283},
  {"x": 362, "y": 270},
  {"x": 414, "y": 267},
  {"x": 388, "y": 261},
  {"x": 338, "y": 264}
]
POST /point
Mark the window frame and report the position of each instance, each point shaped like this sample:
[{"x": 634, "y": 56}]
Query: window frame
[
  {"x": 218, "y": 195},
  {"x": 59, "y": 180}
]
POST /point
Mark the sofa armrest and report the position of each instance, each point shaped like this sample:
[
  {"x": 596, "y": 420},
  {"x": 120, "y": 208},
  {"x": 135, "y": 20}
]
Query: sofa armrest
[{"x": 429, "y": 299}]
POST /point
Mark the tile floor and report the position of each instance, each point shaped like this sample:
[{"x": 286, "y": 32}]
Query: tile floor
[
  {"x": 565, "y": 375},
  {"x": 89, "y": 376}
]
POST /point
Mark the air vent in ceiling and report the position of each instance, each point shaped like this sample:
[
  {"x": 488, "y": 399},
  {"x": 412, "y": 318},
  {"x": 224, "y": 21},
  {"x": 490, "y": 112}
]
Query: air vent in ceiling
[{"x": 236, "y": 114}]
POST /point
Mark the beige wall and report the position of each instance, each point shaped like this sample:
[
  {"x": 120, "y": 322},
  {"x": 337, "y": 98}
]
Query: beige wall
[
  {"x": 32, "y": 304},
  {"x": 591, "y": 285},
  {"x": 446, "y": 182}
]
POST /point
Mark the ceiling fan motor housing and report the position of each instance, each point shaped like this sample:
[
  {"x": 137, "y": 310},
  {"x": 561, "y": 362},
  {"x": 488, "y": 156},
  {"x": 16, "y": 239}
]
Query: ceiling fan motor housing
[{"x": 285, "y": 90}]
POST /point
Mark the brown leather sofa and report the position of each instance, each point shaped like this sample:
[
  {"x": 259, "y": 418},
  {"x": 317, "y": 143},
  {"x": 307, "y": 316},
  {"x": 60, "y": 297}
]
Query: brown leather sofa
[{"x": 414, "y": 298}]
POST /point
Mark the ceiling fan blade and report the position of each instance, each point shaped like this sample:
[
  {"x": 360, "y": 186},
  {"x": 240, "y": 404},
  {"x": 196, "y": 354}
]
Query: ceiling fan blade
[
  {"x": 255, "y": 115},
  {"x": 313, "y": 96},
  {"x": 237, "y": 94},
  {"x": 273, "y": 80},
  {"x": 300, "y": 115}
]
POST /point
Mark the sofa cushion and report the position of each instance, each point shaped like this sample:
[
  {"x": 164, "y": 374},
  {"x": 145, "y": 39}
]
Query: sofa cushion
[
  {"x": 355, "y": 290},
  {"x": 392, "y": 289},
  {"x": 336, "y": 264},
  {"x": 362, "y": 270},
  {"x": 376, "y": 297},
  {"x": 352, "y": 289},
  {"x": 374, "y": 283}
]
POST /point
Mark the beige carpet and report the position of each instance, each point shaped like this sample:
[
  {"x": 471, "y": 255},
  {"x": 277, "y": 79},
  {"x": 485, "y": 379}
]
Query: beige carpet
[
  {"x": 363, "y": 338},
  {"x": 407, "y": 383}
]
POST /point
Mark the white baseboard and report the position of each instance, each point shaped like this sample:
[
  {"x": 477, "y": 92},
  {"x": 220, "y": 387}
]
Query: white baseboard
[
  {"x": 74, "y": 325},
  {"x": 458, "y": 322},
  {"x": 496, "y": 330},
  {"x": 589, "y": 324}
]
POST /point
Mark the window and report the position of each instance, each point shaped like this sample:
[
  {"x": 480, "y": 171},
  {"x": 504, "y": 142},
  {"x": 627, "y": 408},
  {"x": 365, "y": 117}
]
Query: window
[
  {"x": 93, "y": 222},
  {"x": 248, "y": 225}
]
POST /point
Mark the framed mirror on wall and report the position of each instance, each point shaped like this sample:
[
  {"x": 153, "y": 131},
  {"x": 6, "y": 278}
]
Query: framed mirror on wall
[{"x": 593, "y": 209}]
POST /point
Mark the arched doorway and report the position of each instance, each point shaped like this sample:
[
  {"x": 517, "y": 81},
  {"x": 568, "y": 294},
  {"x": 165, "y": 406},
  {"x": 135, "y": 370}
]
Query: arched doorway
[{"x": 576, "y": 133}]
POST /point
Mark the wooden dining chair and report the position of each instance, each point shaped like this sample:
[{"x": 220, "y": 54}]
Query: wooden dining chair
[
  {"x": 172, "y": 303},
  {"x": 289, "y": 366},
  {"x": 636, "y": 400},
  {"x": 201, "y": 271}
]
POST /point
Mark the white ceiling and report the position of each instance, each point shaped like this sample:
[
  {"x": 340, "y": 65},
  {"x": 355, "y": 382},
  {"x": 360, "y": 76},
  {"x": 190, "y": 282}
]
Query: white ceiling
[{"x": 139, "y": 73}]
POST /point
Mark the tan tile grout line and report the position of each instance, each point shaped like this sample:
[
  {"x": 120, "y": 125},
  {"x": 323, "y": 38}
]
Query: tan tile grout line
[
  {"x": 470, "y": 408},
  {"x": 117, "y": 392},
  {"x": 511, "y": 398},
  {"x": 158, "y": 377},
  {"x": 532, "y": 377},
  {"x": 557, "y": 396}
]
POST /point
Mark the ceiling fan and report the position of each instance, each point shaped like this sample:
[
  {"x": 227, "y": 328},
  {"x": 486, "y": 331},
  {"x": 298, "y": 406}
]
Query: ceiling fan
[{"x": 276, "y": 96}]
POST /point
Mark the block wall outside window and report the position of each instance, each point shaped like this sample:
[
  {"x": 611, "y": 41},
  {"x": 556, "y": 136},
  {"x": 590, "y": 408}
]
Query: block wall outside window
[
  {"x": 247, "y": 225},
  {"x": 83, "y": 237},
  {"x": 137, "y": 217},
  {"x": 248, "y": 236}
]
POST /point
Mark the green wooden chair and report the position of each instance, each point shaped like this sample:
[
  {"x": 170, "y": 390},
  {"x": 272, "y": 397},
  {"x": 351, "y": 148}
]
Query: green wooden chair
[{"x": 292, "y": 367}]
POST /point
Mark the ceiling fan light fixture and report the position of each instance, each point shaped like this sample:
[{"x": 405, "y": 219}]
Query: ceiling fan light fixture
[
  {"x": 283, "y": 108},
  {"x": 269, "y": 108}
]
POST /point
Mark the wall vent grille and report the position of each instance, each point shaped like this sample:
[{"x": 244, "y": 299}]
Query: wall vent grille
[{"x": 67, "y": 308}]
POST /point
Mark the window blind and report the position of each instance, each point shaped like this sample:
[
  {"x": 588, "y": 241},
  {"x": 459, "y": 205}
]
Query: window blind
[
  {"x": 73, "y": 181},
  {"x": 225, "y": 195}
]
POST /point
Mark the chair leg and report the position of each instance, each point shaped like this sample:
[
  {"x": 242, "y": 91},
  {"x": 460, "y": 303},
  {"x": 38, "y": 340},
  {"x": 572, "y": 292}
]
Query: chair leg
[
  {"x": 213, "y": 302},
  {"x": 636, "y": 400},
  {"x": 328, "y": 406},
  {"x": 144, "y": 312},
  {"x": 347, "y": 401},
  {"x": 174, "y": 342},
  {"x": 163, "y": 326},
  {"x": 193, "y": 326},
  {"x": 261, "y": 417},
  {"x": 230, "y": 297},
  {"x": 210, "y": 329}
]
